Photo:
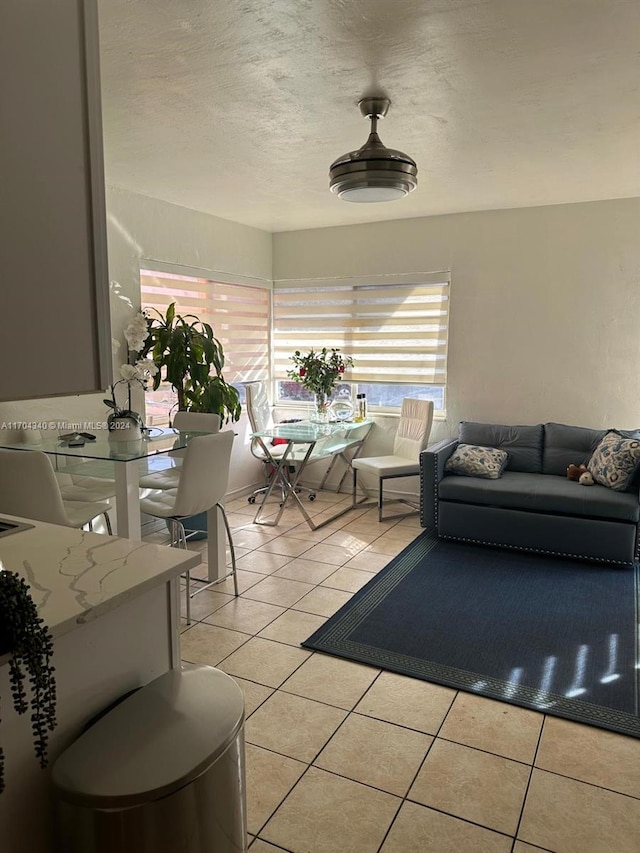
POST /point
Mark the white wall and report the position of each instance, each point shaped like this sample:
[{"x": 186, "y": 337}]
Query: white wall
[
  {"x": 52, "y": 240},
  {"x": 545, "y": 304},
  {"x": 142, "y": 230},
  {"x": 146, "y": 229},
  {"x": 545, "y": 301}
]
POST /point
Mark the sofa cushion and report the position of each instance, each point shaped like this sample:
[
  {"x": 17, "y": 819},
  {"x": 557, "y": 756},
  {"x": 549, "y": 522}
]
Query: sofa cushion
[
  {"x": 522, "y": 443},
  {"x": 541, "y": 493},
  {"x": 615, "y": 461},
  {"x": 564, "y": 444},
  {"x": 470, "y": 460}
]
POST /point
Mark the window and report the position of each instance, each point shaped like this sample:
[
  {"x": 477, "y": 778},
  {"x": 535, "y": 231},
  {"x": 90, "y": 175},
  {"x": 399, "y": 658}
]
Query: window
[
  {"x": 239, "y": 315},
  {"x": 397, "y": 334}
]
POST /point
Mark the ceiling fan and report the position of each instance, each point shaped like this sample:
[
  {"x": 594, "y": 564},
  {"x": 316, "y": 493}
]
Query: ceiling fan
[{"x": 374, "y": 172}]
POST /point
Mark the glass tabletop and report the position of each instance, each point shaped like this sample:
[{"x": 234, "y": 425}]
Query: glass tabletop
[
  {"x": 157, "y": 440},
  {"x": 307, "y": 432}
]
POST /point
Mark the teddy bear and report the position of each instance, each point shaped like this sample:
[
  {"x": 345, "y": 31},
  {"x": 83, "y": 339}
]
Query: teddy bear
[
  {"x": 580, "y": 473},
  {"x": 574, "y": 472}
]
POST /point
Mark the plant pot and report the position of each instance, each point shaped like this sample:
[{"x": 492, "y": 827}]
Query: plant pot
[
  {"x": 125, "y": 427},
  {"x": 194, "y": 522}
]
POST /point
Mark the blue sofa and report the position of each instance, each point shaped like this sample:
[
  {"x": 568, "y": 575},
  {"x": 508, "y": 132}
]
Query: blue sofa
[{"x": 532, "y": 506}]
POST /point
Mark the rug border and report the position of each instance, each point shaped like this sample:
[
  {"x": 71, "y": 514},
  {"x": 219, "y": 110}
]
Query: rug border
[{"x": 332, "y": 638}]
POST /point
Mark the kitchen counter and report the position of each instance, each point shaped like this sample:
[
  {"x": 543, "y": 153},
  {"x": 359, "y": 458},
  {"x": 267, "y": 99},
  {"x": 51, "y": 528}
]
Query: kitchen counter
[
  {"x": 76, "y": 576},
  {"x": 112, "y": 607}
]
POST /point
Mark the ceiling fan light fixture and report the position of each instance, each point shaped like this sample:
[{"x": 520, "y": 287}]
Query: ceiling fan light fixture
[
  {"x": 374, "y": 193},
  {"x": 373, "y": 173}
]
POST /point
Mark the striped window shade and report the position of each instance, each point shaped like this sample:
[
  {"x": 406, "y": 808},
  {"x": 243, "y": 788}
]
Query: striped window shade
[
  {"x": 395, "y": 332},
  {"x": 239, "y": 315}
]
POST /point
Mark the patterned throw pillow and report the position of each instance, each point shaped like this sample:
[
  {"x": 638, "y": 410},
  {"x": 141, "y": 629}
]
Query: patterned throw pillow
[
  {"x": 471, "y": 460},
  {"x": 615, "y": 460}
]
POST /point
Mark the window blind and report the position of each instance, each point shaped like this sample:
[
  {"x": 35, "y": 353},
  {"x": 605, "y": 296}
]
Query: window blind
[
  {"x": 238, "y": 314},
  {"x": 395, "y": 332}
]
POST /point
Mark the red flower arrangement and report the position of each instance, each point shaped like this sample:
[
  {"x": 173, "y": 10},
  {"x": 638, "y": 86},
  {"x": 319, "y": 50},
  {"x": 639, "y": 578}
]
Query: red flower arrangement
[{"x": 319, "y": 371}]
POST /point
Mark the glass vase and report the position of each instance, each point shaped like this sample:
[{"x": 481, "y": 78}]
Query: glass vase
[
  {"x": 320, "y": 410},
  {"x": 341, "y": 410}
]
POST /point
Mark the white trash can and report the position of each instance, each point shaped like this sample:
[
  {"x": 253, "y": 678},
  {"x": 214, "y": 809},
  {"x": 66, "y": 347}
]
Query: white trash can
[{"x": 162, "y": 772}]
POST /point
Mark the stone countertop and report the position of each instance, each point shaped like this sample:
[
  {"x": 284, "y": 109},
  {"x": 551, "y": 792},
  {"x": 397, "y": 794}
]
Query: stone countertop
[{"x": 75, "y": 576}]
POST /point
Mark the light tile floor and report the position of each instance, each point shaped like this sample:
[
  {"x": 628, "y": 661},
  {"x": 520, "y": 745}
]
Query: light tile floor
[{"x": 345, "y": 758}]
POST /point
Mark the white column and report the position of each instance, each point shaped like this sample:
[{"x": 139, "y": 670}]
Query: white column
[{"x": 127, "y": 500}]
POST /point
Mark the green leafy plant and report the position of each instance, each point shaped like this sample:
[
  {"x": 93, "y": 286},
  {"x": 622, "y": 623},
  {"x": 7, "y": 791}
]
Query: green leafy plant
[
  {"x": 319, "y": 371},
  {"x": 191, "y": 359},
  {"x": 25, "y": 637}
]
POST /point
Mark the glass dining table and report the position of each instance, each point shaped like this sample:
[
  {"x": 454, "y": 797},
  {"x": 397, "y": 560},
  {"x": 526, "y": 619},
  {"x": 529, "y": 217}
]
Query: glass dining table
[
  {"x": 124, "y": 458},
  {"x": 342, "y": 440}
]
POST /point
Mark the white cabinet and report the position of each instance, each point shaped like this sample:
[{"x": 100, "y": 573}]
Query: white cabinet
[{"x": 54, "y": 300}]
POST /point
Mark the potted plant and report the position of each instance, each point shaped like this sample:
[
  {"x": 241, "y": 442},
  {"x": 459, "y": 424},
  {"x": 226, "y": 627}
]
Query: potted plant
[
  {"x": 24, "y": 636},
  {"x": 190, "y": 357},
  {"x": 319, "y": 372},
  {"x": 125, "y": 424}
]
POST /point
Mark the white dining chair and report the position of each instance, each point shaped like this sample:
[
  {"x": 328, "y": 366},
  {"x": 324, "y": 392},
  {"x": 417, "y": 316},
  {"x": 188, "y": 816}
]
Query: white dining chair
[
  {"x": 81, "y": 487},
  {"x": 412, "y": 436},
  {"x": 28, "y": 488},
  {"x": 75, "y": 486},
  {"x": 202, "y": 485},
  {"x": 204, "y": 422}
]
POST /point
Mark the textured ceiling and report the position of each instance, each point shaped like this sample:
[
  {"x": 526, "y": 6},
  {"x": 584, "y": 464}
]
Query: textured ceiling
[{"x": 238, "y": 107}]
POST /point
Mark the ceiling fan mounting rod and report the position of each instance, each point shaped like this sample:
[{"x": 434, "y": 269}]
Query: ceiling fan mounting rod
[{"x": 374, "y": 107}]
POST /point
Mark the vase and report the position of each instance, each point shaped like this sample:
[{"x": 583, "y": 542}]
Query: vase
[
  {"x": 125, "y": 427},
  {"x": 341, "y": 411},
  {"x": 320, "y": 410}
]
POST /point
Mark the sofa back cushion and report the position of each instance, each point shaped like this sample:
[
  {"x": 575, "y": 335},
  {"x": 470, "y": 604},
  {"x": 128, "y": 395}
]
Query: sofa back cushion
[
  {"x": 564, "y": 444},
  {"x": 522, "y": 443}
]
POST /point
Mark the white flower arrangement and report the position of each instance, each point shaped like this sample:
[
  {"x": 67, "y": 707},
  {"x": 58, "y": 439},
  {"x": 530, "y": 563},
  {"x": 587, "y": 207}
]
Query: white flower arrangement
[
  {"x": 140, "y": 371},
  {"x": 137, "y": 332},
  {"x": 143, "y": 369}
]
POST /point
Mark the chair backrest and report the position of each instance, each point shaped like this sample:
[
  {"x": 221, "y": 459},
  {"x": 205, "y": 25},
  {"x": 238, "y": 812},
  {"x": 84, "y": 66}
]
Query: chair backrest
[
  {"x": 28, "y": 487},
  {"x": 205, "y": 473},
  {"x": 416, "y": 417},
  {"x": 193, "y": 422},
  {"x": 196, "y": 422},
  {"x": 259, "y": 413}
]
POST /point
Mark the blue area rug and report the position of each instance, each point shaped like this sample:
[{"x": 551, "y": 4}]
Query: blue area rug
[{"x": 558, "y": 636}]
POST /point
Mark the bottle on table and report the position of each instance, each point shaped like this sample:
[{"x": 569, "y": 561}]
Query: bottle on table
[{"x": 361, "y": 408}]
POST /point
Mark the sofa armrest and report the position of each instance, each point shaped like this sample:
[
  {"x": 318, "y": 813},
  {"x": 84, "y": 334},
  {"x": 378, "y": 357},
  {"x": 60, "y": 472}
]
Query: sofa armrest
[{"x": 432, "y": 461}]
